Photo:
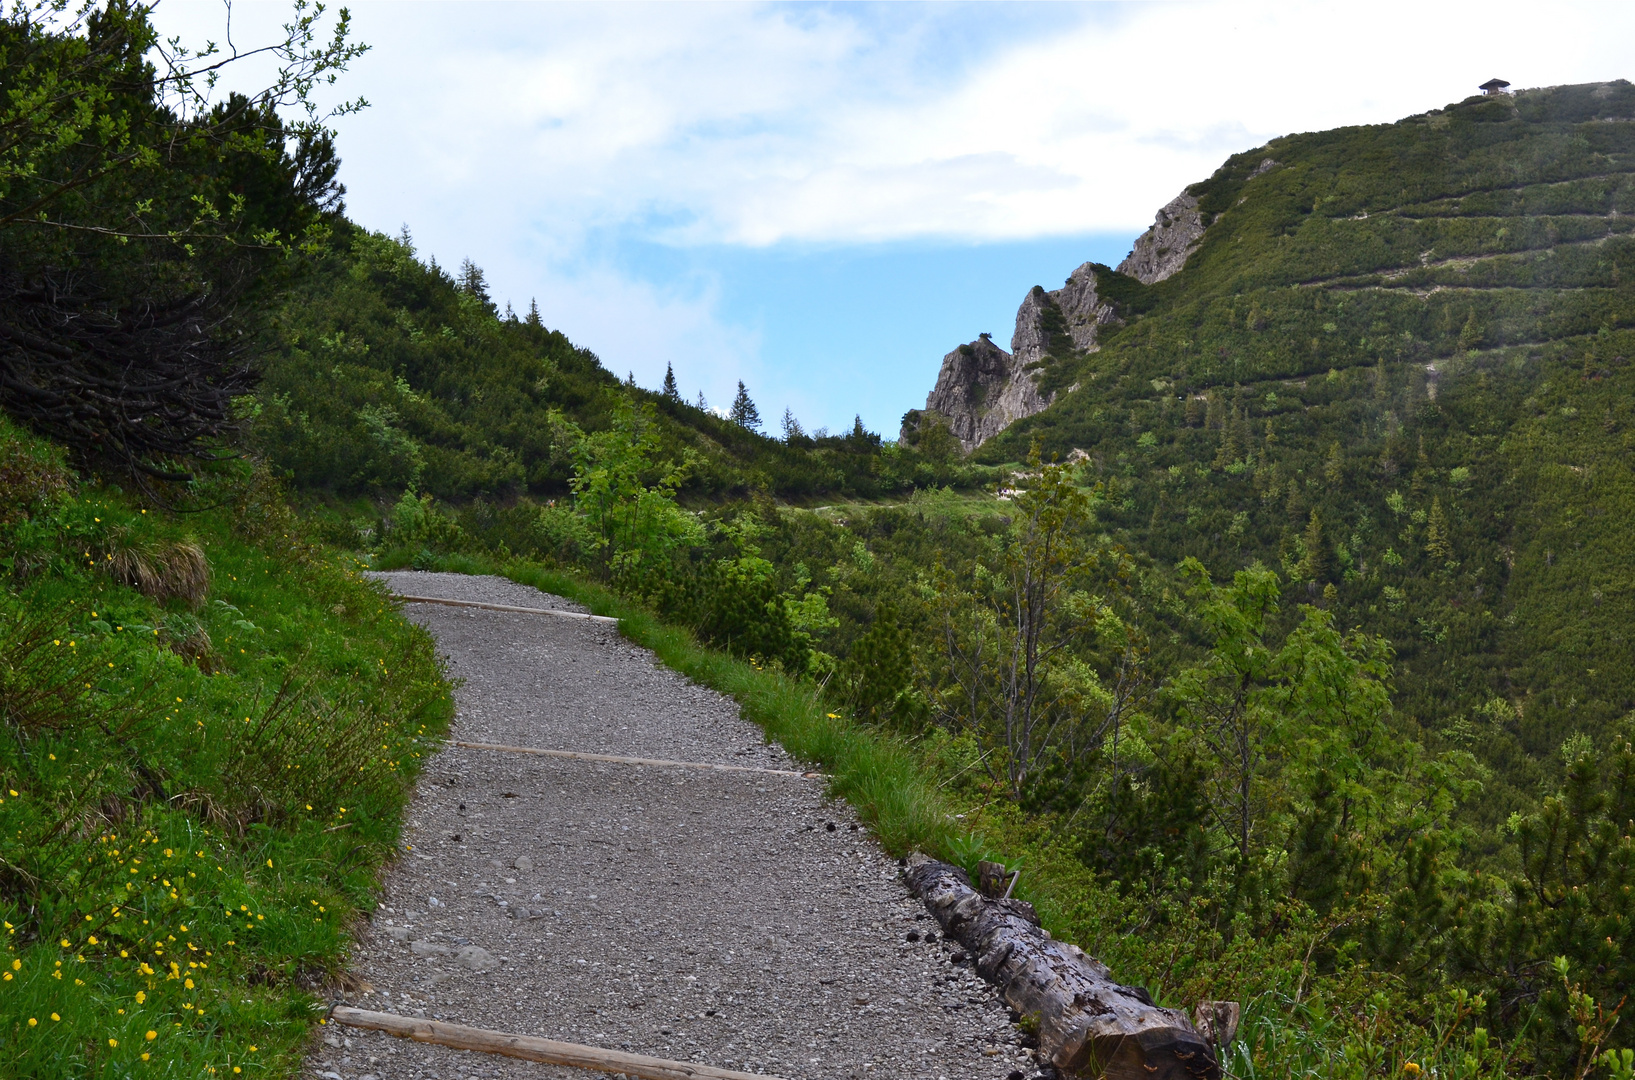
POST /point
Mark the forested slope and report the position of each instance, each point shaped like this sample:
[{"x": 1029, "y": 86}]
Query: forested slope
[
  {"x": 1396, "y": 369},
  {"x": 388, "y": 373}
]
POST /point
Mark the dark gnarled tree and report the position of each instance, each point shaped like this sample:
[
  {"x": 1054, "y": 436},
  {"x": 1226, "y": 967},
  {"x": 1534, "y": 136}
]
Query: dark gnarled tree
[{"x": 140, "y": 224}]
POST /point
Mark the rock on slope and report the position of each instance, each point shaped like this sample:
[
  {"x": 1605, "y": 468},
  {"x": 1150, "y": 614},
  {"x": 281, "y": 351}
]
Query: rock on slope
[
  {"x": 982, "y": 389},
  {"x": 1163, "y": 249}
]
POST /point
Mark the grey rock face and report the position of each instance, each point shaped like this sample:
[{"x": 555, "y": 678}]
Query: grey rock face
[
  {"x": 972, "y": 381},
  {"x": 1163, "y": 249},
  {"x": 1084, "y": 311},
  {"x": 982, "y": 389}
]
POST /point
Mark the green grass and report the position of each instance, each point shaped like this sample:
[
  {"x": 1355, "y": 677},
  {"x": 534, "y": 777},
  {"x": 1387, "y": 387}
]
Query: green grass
[{"x": 184, "y": 852}]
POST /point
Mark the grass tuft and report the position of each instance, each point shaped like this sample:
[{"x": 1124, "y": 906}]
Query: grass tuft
[{"x": 163, "y": 571}]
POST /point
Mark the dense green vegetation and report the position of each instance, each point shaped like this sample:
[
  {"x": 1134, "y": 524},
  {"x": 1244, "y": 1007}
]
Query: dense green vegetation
[
  {"x": 211, "y": 728},
  {"x": 1303, "y": 683},
  {"x": 391, "y": 373},
  {"x": 208, "y": 725},
  {"x": 1397, "y": 365}
]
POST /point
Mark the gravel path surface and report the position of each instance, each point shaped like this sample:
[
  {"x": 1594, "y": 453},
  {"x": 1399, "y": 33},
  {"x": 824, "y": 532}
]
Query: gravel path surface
[{"x": 740, "y": 920}]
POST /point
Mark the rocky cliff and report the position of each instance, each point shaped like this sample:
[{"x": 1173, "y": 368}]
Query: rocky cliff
[
  {"x": 982, "y": 389},
  {"x": 1163, "y": 249}
]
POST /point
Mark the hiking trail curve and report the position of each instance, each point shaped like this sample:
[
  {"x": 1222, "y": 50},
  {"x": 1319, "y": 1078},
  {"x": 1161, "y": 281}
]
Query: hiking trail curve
[{"x": 740, "y": 919}]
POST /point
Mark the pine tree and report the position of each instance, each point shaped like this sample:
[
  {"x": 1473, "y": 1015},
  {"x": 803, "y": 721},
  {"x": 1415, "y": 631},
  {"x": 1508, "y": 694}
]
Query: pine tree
[
  {"x": 510, "y": 315},
  {"x": 630, "y": 379},
  {"x": 669, "y": 388},
  {"x": 1230, "y": 451},
  {"x": 473, "y": 283},
  {"x": 1437, "y": 547},
  {"x": 791, "y": 427},
  {"x": 1318, "y": 565},
  {"x": 744, "y": 413},
  {"x": 1470, "y": 335},
  {"x": 1422, "y": 470},
  {"x": 533, "y": 318},
  {"x": 701, "y": 405},
  {"x": 1335, "y": 467}
]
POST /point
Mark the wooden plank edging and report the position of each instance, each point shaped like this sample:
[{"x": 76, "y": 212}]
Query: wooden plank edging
[
  {"x": 506, "y": 607},
  {"x": 532, "y": 1048},
  {"x": 614, "y": 759}
]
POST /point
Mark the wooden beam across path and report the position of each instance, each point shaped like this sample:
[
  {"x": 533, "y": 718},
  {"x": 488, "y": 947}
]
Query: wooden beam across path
[
  {"x": 614, "y": 759},
  {"x": 532, "y": 1048},
  {"x": 507, "y": 607}
]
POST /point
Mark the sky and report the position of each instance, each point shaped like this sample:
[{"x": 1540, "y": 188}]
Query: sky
[{"x": 821, "y": 200}]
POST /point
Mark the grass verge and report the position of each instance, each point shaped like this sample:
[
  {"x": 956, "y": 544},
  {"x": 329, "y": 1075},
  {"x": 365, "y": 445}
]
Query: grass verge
[{"x": 200, "y": 777}]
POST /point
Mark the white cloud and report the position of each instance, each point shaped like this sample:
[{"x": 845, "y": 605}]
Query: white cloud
[
  {"x": 517, "y": 133},
  {"x": 752, "y": 124}
]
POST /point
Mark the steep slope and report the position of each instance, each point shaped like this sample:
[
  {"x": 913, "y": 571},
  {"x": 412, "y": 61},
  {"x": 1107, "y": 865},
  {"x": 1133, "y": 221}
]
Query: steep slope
[
  {"x": 1392, "y": 360},
  {"x": 388, "y": 373}
]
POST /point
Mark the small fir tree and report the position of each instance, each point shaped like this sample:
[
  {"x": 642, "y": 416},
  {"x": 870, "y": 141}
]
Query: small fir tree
[
  {"x": 669, "y": 388},
  {"x": 1335, "y": 467},
  {"x": 1470, "y": 335},
  {"x": 473, "y": 283},
  {"x": 744, "y": 413},
  {"x": 1230, "y": 450},
  {"x": 533, "y": 318},
  {"x": 1318, "y": 565},
  {"x": 1437, "y": 547},
  {"x": 701, "y": 405},
  {"x": 792, "y": 430}
]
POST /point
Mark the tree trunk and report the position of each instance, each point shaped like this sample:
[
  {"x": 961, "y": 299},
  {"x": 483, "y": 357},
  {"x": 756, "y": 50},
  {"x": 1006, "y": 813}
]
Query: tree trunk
[{"x": 1088, "y": 1024}]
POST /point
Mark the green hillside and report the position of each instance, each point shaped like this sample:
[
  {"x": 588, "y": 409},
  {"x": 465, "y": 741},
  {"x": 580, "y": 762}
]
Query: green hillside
[
  {"x": 1301, "y": 685},
  {"x": 1301, "y": 681},
  {"x": 389, "y": 373},
  {"x": 1416, "y": 336}
]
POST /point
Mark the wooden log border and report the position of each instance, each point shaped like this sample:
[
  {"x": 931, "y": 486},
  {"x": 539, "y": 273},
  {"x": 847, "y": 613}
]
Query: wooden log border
[
  {"x": 507, "y": 607},
  {"x": 533, "y": 1048},
  {"x": 614, "y": 759}
]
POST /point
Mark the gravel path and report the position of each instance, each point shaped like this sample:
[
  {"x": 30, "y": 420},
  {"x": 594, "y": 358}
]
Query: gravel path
[{"x": 740, "y": 920}]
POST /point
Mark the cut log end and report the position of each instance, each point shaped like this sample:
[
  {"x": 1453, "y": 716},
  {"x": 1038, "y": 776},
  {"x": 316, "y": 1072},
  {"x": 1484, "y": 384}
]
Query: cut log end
[{"x": 1089, "y": 1025}]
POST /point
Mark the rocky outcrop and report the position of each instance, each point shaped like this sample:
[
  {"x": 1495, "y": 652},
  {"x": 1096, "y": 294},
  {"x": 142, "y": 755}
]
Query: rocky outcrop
[
  {"x": 1084, "y": 310},
  {"x": 1163, "y": 249},
  {"x": 982, "y": 389},
  {"x": 978, "y": 393}
]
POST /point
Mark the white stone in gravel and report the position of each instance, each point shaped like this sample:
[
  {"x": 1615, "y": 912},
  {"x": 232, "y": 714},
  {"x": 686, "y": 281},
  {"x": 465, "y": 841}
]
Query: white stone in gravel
[
  {"x": 476, "y": 958},
  {"x": 427, "y": 948}
]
